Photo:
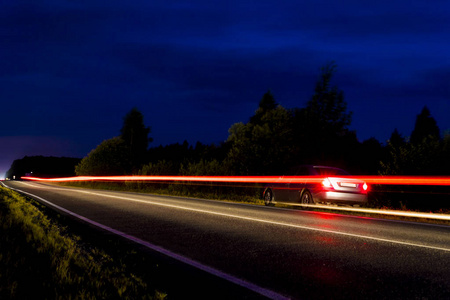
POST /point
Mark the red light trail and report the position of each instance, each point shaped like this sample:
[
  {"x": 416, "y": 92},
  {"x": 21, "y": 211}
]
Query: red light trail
[
  {"x": 382, "y": 180},
  {"x": 406, "y": 180}
]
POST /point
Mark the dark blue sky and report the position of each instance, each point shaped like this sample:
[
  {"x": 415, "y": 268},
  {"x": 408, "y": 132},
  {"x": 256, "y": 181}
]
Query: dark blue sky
[{"x": 71, "y": 70}]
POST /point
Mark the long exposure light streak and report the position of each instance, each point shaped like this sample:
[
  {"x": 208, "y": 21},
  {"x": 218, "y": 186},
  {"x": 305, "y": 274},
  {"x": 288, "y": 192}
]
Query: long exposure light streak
[
  {"x": 372, "y": 180},
  {"x": 382, "y": 180}
]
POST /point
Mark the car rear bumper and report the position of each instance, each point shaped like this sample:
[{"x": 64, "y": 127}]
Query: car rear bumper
[{"x": 341, "y": 197}]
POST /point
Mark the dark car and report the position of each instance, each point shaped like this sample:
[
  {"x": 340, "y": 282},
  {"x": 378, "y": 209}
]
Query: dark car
[{"x": 316, "y": 184}]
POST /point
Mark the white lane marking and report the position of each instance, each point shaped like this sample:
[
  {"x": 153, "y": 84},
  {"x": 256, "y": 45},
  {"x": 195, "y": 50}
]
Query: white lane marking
[
  {"x": 149, "y": 202},
  {"x": 248, "y": 285}
]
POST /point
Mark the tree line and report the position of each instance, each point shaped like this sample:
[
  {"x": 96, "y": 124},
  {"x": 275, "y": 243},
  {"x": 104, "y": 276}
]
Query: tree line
[
  {"x": 43, "y": 166},
  {"x": 276, "y": 138}
]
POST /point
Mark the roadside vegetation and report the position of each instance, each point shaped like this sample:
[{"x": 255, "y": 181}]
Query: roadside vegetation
[
  {"x": 41, "y": 259},
  {"x": 232, "y": 192}
]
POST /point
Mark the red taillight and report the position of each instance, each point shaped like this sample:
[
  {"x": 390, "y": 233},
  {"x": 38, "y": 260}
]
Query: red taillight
[
  {"x": 365, "y": 186},
  {"x": 326, "y": 183}
]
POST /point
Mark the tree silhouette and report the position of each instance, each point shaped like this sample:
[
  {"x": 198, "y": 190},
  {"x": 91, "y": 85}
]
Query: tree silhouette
[
  {"x": 111, "y": 157},
  {"x": 321, "y": 134},
  {"x": 263, "y": 145},
  {"x": 396, "y": 140},
  {"x": 266, "y": 104},
  {"x": 424, "y": 154},
  {"x": 425, "y": 128},
  {"x": 43, "y": 166},
  {"x": 327, "y": 111},
  {"x": 135, "y": 135}
]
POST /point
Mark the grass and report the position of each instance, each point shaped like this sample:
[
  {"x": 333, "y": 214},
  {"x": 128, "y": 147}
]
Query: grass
[{"x": 41, "y": 259}]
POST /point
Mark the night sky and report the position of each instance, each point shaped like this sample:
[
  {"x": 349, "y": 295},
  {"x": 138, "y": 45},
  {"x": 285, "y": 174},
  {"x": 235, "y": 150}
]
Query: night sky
[{"x": 71, "y": 70}]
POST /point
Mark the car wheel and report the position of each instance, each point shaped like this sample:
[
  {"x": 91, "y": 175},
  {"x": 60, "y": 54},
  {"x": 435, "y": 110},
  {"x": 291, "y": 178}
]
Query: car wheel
[
  {"x": 306, "y": 198},
  {"x": 268, "y": 197}
]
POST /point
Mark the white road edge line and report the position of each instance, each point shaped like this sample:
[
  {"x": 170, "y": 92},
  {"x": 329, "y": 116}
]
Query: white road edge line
[
  {"x": 381, "y": 212},
  {"x": 248, "y": 285}
]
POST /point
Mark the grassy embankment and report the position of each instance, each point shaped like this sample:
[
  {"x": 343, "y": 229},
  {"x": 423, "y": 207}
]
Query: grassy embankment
[{"x": 41, "y": 259}]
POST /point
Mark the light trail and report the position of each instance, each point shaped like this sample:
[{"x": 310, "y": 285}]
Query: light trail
[
  {"x": 406, "y": 180},
  {"x": 381, "y": 180}
]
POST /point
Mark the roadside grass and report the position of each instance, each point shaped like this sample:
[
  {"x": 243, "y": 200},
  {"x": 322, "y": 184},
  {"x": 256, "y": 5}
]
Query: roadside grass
[{"x": 40, "y": 259}]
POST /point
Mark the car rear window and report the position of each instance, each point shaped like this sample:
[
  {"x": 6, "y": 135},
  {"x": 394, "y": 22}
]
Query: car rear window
[{"x": 330, "y": 171}]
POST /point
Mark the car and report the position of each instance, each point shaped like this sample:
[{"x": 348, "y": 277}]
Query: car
[{"x": 311, "y": 184}]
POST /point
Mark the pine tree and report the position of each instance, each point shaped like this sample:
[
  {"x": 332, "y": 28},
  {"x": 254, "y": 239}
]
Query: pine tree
[
  {"x": 266, "y": 104},
  {"x": 425, "y": 128},
  {"x": 135, "y": 135},
  {"x": 327, "y": 110}
]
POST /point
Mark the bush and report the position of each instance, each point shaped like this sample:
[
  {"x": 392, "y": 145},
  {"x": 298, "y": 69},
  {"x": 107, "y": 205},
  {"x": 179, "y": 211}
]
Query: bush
[{"x": 111, "y": 157}]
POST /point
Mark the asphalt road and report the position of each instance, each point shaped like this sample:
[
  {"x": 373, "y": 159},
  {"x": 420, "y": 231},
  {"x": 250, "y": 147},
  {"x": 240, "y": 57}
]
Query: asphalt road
[{"x": 292, "y": 253}]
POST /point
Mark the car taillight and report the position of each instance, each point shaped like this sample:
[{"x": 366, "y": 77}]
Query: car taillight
[
  {"x": 365, "y": 186},
  {"x": 326, "y": 183}
]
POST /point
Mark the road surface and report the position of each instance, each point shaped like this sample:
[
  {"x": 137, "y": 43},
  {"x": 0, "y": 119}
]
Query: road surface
[{"x": 276, "y": 252}]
